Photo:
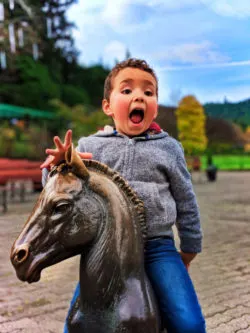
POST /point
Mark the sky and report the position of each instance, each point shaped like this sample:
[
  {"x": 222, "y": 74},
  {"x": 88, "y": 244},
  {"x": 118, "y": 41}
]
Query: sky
[{"x": 198, "y": 47}]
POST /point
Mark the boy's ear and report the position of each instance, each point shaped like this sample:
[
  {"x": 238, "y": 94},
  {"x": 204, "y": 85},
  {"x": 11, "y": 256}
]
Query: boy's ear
[{"x": 106, "y": 108}]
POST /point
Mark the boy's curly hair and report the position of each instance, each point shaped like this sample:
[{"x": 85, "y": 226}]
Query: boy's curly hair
[{"x": 133, "y": 63}]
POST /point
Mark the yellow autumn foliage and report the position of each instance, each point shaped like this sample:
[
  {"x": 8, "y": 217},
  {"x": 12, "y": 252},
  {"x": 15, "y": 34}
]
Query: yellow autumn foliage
[
  {"x": 191, "y": 122},
  {"x": 247, "y": 145}
]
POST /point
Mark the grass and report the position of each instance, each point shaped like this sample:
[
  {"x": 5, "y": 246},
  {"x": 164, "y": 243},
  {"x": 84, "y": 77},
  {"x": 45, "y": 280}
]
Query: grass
[{"x": 229, "y": 162}]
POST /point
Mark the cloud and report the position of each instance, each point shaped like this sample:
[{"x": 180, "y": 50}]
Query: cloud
[
  {"x": 122, "y": 17},
  {"x": 126, "y": 15},
  {"x": 175, "y": 95},
  {"x": 232, "y": 94},
  {"x": 84, "y": 17},
  {"x": 87, "y": 6},
  {"x": 173, "y": 5},
  {"x": 173, "y": 36},
  {"x": 207, "y": 66},
  {"x": 234, "y": 8},
  {"x": 191, "y": 53},
  {"x": 114, "y": 50},
  {"x": 239, "y": 78}
]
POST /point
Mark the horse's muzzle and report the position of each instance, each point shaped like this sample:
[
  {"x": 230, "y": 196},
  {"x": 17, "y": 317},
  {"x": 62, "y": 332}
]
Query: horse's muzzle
[{"x": 19, "y": 254}]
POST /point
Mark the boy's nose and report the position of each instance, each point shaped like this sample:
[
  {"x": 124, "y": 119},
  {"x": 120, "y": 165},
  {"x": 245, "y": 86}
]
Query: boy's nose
[{"x": 138, "y": 98}]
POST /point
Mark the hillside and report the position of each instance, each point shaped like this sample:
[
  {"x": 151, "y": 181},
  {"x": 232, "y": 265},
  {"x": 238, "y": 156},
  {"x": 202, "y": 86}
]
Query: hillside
[
  {"x": 236, "y": 112},
  {"x": 217, "y": 130}
]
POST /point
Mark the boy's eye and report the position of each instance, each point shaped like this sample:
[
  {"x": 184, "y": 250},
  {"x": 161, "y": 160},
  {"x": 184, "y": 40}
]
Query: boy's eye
[
  {"x": 148, "y": 93},
  {"x": 126, "y": 91}
]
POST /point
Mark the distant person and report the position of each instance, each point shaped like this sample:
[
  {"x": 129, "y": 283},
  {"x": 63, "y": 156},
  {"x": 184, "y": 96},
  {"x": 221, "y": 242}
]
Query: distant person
[
  {"x": 154, "y": 165},
  {"x": 211, "y": 170}
]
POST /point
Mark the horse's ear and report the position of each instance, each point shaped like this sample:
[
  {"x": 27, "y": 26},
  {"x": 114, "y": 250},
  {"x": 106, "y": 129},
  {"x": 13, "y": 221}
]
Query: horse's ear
[{"x": 74, "y": 160}]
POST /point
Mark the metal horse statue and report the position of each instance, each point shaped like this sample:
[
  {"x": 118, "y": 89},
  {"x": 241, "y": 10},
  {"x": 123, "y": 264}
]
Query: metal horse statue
[{"x": 88, "y": 209}]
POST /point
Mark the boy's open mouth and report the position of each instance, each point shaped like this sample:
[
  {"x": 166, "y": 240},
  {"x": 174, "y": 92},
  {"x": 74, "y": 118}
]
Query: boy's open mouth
[{"x": 136, "y": 116}]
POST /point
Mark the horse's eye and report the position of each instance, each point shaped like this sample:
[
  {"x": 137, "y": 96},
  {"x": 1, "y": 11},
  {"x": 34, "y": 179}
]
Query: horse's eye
[{"x": 61, "y": 208}]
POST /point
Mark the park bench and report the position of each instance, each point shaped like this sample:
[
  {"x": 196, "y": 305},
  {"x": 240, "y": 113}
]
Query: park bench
[{"x": 18, "y": 171}]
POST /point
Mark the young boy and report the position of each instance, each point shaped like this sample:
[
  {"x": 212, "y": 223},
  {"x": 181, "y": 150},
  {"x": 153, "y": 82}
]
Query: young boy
[{"x": 153, "y": 163}]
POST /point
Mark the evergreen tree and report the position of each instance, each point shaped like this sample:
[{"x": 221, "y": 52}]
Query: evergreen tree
[
  {"x": 53, "y": 73},
  {"x": 128, "y": 54},
  {"x": 57, "y": 30},
  {"x": 18, "y": 33},
  {"x": 38, "y": 28}
]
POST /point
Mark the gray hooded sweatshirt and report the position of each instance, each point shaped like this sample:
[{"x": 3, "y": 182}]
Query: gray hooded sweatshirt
[{"x": 155, "y": 167}]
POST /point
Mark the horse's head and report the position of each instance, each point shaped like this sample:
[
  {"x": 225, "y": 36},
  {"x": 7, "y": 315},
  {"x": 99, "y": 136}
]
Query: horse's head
[{"x": 63, "y": 219}]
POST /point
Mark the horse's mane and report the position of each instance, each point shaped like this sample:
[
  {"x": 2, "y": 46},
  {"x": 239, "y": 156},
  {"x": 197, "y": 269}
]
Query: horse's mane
[{"x": 120, "y": 182}]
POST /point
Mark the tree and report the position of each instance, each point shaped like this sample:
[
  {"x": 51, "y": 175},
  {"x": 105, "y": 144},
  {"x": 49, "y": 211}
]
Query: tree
[
  {"x": 128, "y": 54},
  {"x": 18, "y": 34},
  {"x": 82, "y": 121},
  {"x": 54, "y": 73},
  {"x": 38, "y": 28},
  {"x": 247, "y": 135},
  {"x": 191, "y": 125},
  {"x": 84, "y": 86},
  {"x": 91, "y": 79},
  {"x": 56, "y": 33},
  {"x": 34, "y": 87}
]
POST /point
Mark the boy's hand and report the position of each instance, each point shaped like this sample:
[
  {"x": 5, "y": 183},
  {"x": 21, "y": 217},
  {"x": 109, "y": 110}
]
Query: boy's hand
[
  {"x": 187, "y": 258},
  {"x": 58, "y": 154}
]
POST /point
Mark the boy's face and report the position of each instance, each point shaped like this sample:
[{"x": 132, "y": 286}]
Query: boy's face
[{"x": 133, "y": 101}]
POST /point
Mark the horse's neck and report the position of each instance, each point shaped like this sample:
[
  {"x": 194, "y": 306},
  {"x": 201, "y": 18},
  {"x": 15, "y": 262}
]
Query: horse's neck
[{"x": 116, "y": 255}]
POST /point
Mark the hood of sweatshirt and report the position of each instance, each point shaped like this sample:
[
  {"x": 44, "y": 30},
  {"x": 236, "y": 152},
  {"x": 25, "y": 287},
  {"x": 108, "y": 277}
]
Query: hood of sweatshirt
[{"x": 154, "y": 132}]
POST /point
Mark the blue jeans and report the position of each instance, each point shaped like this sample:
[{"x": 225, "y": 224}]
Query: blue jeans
[
  {"x": 72, "y": 302},
  {"x": 177, "y": 300}
]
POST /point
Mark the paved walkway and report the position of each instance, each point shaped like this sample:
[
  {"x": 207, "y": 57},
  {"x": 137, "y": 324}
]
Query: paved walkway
[{"x": 221, "y": 274}]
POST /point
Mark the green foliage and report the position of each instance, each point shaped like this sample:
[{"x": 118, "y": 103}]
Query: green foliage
[
  {"x": 23, "y": 142},
  {"x": 91, "y": 79},
  {"x": 35, "y": 87},
  {"x": 223, "y": 148},
  {"x": 56, "y": 76},
  {"x": 72, "y": 95},
  {"x": 228, "y": 162},
  {"x": 24, "y": 150},
  {"x": 80, "y": 119},
  {"x": 37, "y": 75},
  {"x": 238, "y": 113},
  {"x": 38, "y": 84}
]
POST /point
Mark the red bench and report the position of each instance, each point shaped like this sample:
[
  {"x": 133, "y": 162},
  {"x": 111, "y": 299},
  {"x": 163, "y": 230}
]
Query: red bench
[
  {"x": 7, "y": 164},
  {"x": 20, "y": 174},
  {"x": 19, "y": 170}
]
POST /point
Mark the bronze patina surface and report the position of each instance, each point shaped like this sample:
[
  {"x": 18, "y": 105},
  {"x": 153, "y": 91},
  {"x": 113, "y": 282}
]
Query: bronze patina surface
[{"x": 88, "y": 209}]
